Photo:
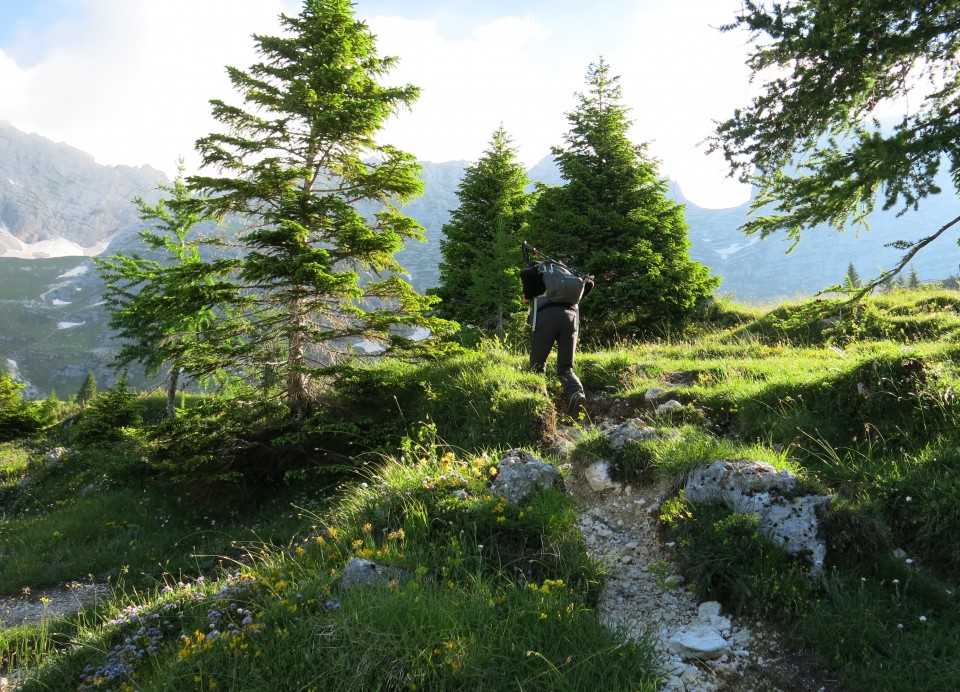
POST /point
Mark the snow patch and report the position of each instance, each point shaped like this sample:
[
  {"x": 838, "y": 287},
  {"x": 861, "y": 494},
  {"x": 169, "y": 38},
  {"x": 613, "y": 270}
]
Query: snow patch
[
  {"x": 68, "y": 325},
  {"x": 76, "y": 271},
  {"x": 57, "y": 302},
  {"x": 11, "y": 246},
  {"x": 735, "y": 248}
]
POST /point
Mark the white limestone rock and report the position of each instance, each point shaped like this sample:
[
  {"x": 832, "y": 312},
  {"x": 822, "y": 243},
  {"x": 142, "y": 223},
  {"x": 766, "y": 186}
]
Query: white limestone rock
[
  {"x": 699, "y": 640},
  {"x": 520, "y": 474},
  {"x": 755, "y": 487},
  {"x": 598, "y": 478},
  {"x": 668, "y": 407}
]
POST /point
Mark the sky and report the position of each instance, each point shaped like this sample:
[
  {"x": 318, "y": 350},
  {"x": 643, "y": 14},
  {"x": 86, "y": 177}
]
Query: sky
[{"x": 130, "y": 81}]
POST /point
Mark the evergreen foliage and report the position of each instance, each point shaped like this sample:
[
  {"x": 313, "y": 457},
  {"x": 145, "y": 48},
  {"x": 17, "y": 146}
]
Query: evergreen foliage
[
  {"x": 177, "y": 312},
  {"x": 103, "y": 422},
  {"x": 88, "y": 389},
  {"x": 295, "y": 160},
  {"x": 812, "y": 142},
  {"x": 852, "y": 279},
  {"x": 19, "y": 418},
  {"x": 913, "y": 279},
  {"x": 613, "y": 220},
  {"x": 479, "y": 274}
]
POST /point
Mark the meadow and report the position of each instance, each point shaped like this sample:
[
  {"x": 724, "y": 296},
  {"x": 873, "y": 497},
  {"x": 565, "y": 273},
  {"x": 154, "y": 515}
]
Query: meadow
[{"x": 223, "y": 535}]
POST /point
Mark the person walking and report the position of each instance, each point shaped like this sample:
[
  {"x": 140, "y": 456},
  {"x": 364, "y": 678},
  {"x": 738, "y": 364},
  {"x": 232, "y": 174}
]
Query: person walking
[{"x": 555, "y": 319}]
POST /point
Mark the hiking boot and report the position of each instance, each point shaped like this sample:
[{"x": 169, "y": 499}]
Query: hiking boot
[{"x": 577, "y": 405}]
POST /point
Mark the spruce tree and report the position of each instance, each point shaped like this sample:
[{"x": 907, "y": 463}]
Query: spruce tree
[
  {"x": 172, "y": 310},
  {"x": 852, "y": 279},
  {"x": 294, "y": 161},
  {"x": 479, "y": 271},
  {"x": 913, "y": 280},
  {"x": 613, "y": 220},
  {"x": 88, "y": 389}
]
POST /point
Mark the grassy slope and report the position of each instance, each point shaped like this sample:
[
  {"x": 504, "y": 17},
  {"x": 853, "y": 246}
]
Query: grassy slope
[
  {"x": 30, "y": 332},
  {"x": 862, "y": 405}
]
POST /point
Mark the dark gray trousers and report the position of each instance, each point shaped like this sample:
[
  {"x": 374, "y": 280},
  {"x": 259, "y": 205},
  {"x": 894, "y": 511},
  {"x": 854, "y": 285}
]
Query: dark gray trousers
[{"x": 560, "y": 326}]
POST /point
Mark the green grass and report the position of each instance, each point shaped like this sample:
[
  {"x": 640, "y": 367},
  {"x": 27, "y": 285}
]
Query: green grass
[
  {"x": 495, "y": 596},
  {"x": 857, "y": 402}
]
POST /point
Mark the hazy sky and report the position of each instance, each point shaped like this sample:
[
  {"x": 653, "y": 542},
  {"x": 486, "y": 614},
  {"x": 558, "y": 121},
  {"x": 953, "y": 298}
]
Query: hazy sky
[{"x": 129, "y": 81}]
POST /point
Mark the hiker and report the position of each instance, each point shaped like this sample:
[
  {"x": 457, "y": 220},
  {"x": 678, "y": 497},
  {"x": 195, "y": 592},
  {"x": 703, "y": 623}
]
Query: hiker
[{"x": 555, "y": 320}]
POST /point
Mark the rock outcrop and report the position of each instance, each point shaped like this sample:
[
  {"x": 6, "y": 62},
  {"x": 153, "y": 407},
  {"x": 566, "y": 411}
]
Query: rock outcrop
[
  {"x": 53, "y": 195},
  {"x": 755, "y": 487}
]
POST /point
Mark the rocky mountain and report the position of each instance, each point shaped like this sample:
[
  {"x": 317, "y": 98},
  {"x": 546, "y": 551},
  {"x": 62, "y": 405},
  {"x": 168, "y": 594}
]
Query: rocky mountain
[
  {"x": 56, "y": 200},
  {"x": 58, "y": 208}
]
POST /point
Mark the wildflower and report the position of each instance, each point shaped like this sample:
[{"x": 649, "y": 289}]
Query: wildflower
[
  {"x": 909, "y": 560},
  {"x": 923, "y": 618},
  {"x": 899, "y": 625},
  {"x": 896, "y": 581}
]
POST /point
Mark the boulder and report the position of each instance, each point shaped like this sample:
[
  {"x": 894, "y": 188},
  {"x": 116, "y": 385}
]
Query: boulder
[
  {"x": 631, "y": 430},
  {"x": 755, "y": 487},
  {"x": 668, "y": 407},
  {"x": 361, "y": 572},
  {"x": 520, "y": 474},
  {"x": 653, "y": 394},
  {"x": 598, "y": 477}
]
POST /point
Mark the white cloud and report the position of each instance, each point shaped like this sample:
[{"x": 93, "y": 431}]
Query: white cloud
[
  {"x": 469, "y": 86},
  {"x": 130, "y": 80}
]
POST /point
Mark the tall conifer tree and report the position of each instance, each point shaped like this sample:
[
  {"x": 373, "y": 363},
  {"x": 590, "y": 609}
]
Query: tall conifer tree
[
  {"x": 295, "y": 159},
  {"x": 852, "y": 279},
  {"x": 479, "y": 272},
  {"x": 88, "y": 389},
  {"x": 612, "y": 219},
  {"x": 172, "y": 309}
]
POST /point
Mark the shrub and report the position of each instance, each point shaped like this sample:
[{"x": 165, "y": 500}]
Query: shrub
[
  {"x": 19, "y": 418},
  {"x": 107, "y": 416}
]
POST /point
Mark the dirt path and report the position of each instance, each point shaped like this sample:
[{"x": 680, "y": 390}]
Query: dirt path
[{"x": 645, "y": 596}]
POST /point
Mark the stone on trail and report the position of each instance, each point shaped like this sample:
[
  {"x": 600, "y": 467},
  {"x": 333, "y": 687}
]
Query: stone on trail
[
  {"x": 699, "y": 640},
  {"x": 520, "y": 474}
]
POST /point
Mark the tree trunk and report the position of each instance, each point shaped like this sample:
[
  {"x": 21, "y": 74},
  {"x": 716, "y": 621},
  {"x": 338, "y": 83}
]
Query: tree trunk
[
  {"x": 173, "y": 378},
  {"x": 298, "y": 381}
]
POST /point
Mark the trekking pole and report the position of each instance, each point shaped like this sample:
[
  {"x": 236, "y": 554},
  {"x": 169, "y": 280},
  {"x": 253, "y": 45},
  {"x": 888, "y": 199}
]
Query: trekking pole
[{"x": 528, "y": 250}]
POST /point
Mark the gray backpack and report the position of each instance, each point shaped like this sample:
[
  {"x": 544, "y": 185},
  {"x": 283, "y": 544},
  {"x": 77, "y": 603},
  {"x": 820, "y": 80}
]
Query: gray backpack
[{"x": 562, "y": 284}]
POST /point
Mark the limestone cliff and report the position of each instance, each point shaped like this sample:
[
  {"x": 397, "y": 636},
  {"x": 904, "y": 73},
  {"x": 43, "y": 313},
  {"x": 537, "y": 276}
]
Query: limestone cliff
[{"x": 54, "y": 197}]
